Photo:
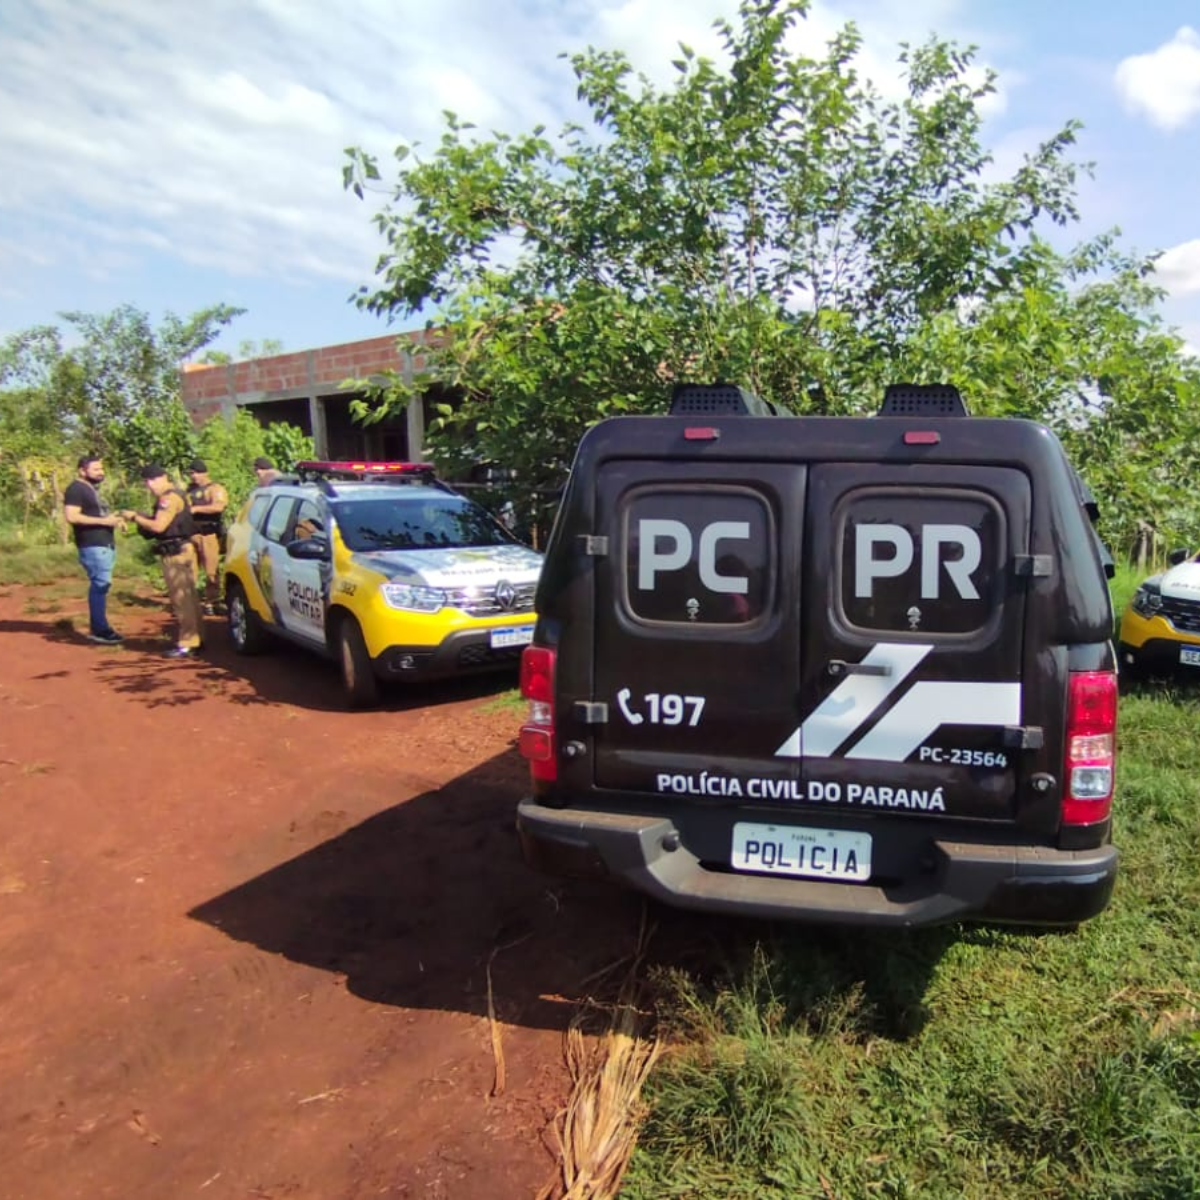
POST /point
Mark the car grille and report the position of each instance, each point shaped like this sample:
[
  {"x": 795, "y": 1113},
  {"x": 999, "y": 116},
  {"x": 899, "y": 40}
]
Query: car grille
[
  {"x": 1183, "y": 614},
  {"x": 482, "y": 602}
]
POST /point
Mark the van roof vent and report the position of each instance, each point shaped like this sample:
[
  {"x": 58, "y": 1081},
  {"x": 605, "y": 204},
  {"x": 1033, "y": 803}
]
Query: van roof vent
[
  {"x": 709, "y": 399},
  {"x": 922, "y": 400}
]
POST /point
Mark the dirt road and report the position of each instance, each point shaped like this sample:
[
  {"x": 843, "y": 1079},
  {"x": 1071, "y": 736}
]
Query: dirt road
[{"x": 245, "y": 935}]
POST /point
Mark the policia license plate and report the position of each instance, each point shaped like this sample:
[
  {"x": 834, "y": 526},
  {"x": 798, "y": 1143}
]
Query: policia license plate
[{"x": 801, "y": 851}]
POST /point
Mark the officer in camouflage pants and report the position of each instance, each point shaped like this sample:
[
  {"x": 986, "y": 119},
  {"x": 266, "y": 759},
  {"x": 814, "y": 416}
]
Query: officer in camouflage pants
[
  {"x": 209, "y": 501},
  {"x": 170, "y": 527}
]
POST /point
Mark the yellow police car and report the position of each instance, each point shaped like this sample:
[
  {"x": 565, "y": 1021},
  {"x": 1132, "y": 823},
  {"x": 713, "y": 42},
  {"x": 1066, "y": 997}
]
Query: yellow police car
[
  {"x": 382, "y": 567},
  {"x": 1160, "y": 629}
]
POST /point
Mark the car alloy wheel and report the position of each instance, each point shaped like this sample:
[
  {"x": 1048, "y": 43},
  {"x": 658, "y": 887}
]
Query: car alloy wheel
[
  {"x": 358, "y": 679},
  {"x": 237, "y": 621}
]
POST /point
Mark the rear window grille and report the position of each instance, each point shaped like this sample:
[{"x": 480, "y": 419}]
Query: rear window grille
[
  {"x": 698, "y": 400},
  {"x": 720, "y": 399},
  {"x": 922, "y": 400}
]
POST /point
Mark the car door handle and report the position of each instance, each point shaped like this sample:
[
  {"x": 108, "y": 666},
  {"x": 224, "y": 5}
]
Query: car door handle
[{"x": 839, "y": 668}]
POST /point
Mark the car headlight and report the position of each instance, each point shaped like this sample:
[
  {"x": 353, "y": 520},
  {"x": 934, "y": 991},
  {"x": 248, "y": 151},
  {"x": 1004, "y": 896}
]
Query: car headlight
[
  {"x": 412, "y": 598},
  {"x": 1147, "y": 600}
]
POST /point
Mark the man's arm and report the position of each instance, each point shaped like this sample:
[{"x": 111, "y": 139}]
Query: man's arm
[
  {"x": 76, "y": 516},
  {"x": 164, "y": 514}
]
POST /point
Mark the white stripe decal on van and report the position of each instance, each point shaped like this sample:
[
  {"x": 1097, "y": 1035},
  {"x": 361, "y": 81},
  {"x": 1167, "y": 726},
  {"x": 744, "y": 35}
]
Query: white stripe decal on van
[
  {"x": 931, "y": 703},
  {"x": 850, "y": 705}
]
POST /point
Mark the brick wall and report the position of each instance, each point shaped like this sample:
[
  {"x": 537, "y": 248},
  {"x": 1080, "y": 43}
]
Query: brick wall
[{"x": 304, "y": 372}]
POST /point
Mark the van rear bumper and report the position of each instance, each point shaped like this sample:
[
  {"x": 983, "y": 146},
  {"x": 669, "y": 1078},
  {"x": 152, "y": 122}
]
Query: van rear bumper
[{"x": 1029, "y": 885}]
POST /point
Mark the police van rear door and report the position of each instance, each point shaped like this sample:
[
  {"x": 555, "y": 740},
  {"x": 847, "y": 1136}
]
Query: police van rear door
[
  {"x": 697, "y": 646},
  {"x": 914, "y": 625}
]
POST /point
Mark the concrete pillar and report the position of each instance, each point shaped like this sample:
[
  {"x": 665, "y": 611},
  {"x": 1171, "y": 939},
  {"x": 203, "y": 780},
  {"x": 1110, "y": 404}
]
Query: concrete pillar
[
  {"x": 320, "y": 428},
  {"x": 415, "y": 415},
  {"x": 416, "y": 429}
]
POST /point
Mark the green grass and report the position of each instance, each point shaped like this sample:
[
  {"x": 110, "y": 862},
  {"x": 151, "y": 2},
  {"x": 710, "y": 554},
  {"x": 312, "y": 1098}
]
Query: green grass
[
  {"x": 36, "y": 564},
  {"x": 35, "y": 557},
  {"x": 506, "y": 702},
  {"x": 1122, "y": 586},
  {"x": 959, "y": 1062}
]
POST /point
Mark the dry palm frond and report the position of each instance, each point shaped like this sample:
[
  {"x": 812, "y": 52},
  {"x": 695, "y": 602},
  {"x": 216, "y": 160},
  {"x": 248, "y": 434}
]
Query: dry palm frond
[
  {"x": 598, "y": 1129},
  {"x": 499, "y": 1079}
]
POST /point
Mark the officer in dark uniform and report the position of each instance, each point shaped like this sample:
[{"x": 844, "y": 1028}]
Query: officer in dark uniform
[
  {"x": 208, "y": 501},
  {"x": 171, "y": 529}
]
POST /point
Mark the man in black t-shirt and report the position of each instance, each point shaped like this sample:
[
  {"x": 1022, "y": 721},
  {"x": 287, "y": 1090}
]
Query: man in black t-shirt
[{"x": 93, "y": 526}]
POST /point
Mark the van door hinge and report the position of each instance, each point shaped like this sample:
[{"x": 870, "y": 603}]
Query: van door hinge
[
  {"x": 590, "y": 712},
  {"x": 1033, "y": 566},
  {"x": 591, "y": 544},
  {"x": 1023, "y": 737}
]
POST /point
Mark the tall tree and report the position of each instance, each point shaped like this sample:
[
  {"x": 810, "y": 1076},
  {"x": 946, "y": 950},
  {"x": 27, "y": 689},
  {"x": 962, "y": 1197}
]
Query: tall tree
[
  {"x": 774, "y": 221},
  {"x": 111, "y": 384}
]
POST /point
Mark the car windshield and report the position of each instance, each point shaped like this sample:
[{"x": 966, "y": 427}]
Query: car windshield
[{"x": 426, "y": 523}]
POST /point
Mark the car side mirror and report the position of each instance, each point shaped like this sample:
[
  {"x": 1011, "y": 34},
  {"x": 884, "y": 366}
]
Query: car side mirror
[
  {"x": 1176, "y": 557},
  {"x": 310, "y": 549}
]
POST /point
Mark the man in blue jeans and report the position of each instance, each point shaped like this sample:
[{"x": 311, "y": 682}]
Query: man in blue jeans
[{"x": 93, "y": 526}]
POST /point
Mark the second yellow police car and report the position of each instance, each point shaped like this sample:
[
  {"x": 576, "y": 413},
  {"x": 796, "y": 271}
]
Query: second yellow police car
[
  {"x": 1160, "y": 630},
  {"x": 382, "y": 567}
]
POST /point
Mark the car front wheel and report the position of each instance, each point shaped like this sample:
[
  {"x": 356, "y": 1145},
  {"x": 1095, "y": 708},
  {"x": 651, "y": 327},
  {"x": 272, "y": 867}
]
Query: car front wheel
[
  {"x": 358, "y": 678},
  {"x": 246, "y": 631}
]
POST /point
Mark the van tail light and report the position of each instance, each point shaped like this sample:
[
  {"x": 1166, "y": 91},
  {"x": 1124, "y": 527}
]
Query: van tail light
[
  {"x": 1089, "y": 768},
  {"x": 537, "y": 734}
]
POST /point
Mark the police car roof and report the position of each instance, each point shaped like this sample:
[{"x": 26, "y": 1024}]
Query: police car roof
[{"x": 351, "y": 490}]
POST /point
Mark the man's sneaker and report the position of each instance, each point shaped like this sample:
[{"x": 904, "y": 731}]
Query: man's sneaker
[
  {"x": 109, "y": 638},
  {"x": 181, "y": 652}
]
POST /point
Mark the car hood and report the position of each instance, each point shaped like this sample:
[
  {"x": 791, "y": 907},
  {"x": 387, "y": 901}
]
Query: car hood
[
  {"x": 1182, "y": 582},
  {"x": 470, "y": 567}
]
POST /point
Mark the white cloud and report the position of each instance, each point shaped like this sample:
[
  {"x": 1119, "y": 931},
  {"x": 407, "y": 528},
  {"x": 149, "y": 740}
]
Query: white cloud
[
  {"x": 1190, "y": 332},
  {"x": 212, "y": 135},
  {"x": 649, "y": 31},
  {"x": 19, "y": 254},
  {"x": 151, "y": 129},
  {"x": 231, "y": 96},
  {"x": 1165, "y": 84},
  {"x": 1178, "y": 269}
]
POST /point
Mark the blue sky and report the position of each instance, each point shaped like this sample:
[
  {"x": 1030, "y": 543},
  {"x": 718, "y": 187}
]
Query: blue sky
[{"x": 174, "y": 155}]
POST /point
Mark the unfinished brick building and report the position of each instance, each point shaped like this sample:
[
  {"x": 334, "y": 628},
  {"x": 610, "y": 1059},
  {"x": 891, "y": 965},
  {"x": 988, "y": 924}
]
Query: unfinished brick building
[{"x": 304, "y": 389}]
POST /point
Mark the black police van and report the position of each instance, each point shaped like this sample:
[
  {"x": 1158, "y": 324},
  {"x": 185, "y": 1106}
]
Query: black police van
[{"x": 839, "y": 669}]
